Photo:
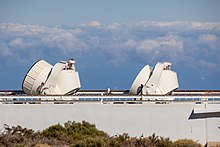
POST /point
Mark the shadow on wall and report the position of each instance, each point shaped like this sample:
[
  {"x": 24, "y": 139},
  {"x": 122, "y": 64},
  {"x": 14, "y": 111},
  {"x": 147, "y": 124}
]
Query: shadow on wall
[{"x": 194, "y": 115}]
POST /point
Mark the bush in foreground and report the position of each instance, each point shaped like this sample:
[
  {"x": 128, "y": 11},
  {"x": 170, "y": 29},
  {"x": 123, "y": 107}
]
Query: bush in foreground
[{"x": 82, "y": 134}]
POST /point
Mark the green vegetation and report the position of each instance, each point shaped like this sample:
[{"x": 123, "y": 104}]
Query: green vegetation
[{"x": 82, "y": 134}]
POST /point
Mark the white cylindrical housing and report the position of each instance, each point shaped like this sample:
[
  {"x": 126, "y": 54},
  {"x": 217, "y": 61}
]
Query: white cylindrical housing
[
  {"x": 160, "y": 81},
  {"x": 68, "y": 81},
  {"x": 36, "y": 75}
]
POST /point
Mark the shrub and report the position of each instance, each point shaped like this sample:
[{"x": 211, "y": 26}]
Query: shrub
[
  {"x": 82, "y": 134},
  {"x": 186, "y": 143}
]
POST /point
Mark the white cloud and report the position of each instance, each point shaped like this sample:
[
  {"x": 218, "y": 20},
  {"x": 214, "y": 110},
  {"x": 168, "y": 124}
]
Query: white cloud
[
  {"x": 130, "y": 43},
  {"x": 5, "y": 52},
  {"x": 182, "y": 25},
  {"x": 207, "y": 65},
  {"x": 64, "y": 41},
  {"x": 180, "y": 42},
  {"x": 92, "y": 24},
  {"x": 148, "y": 45},
  {"x": 208, "y": 38},
  {"x": 149, "y": 49},
  {"x": 114, "y": 25},
  {"x": 24, "y": 29},
  {"x": 17, "y": 42}
]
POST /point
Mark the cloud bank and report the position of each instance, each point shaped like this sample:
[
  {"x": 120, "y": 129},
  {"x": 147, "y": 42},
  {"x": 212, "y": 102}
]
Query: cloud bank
[{"x": 190, "y": 44}]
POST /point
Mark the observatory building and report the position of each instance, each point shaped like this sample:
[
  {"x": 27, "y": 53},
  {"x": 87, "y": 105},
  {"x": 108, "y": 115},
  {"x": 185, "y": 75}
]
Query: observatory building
[{"x": 51, "y": 94}]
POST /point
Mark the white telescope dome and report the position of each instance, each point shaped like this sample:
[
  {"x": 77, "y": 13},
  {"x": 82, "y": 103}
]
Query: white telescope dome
[
  {"x": 159, "y": 80},
  {"x": 45, "y": 79}
]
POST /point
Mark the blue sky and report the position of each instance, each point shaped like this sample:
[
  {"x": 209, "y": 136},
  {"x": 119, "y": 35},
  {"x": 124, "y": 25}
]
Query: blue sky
[
  {"x": 121, "y": 11},
  {"x": 112, "y": 40}
]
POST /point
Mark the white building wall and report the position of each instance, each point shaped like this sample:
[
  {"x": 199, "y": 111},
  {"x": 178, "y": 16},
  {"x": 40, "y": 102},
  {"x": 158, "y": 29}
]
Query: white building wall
[{"x": 173, "y": 120}]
